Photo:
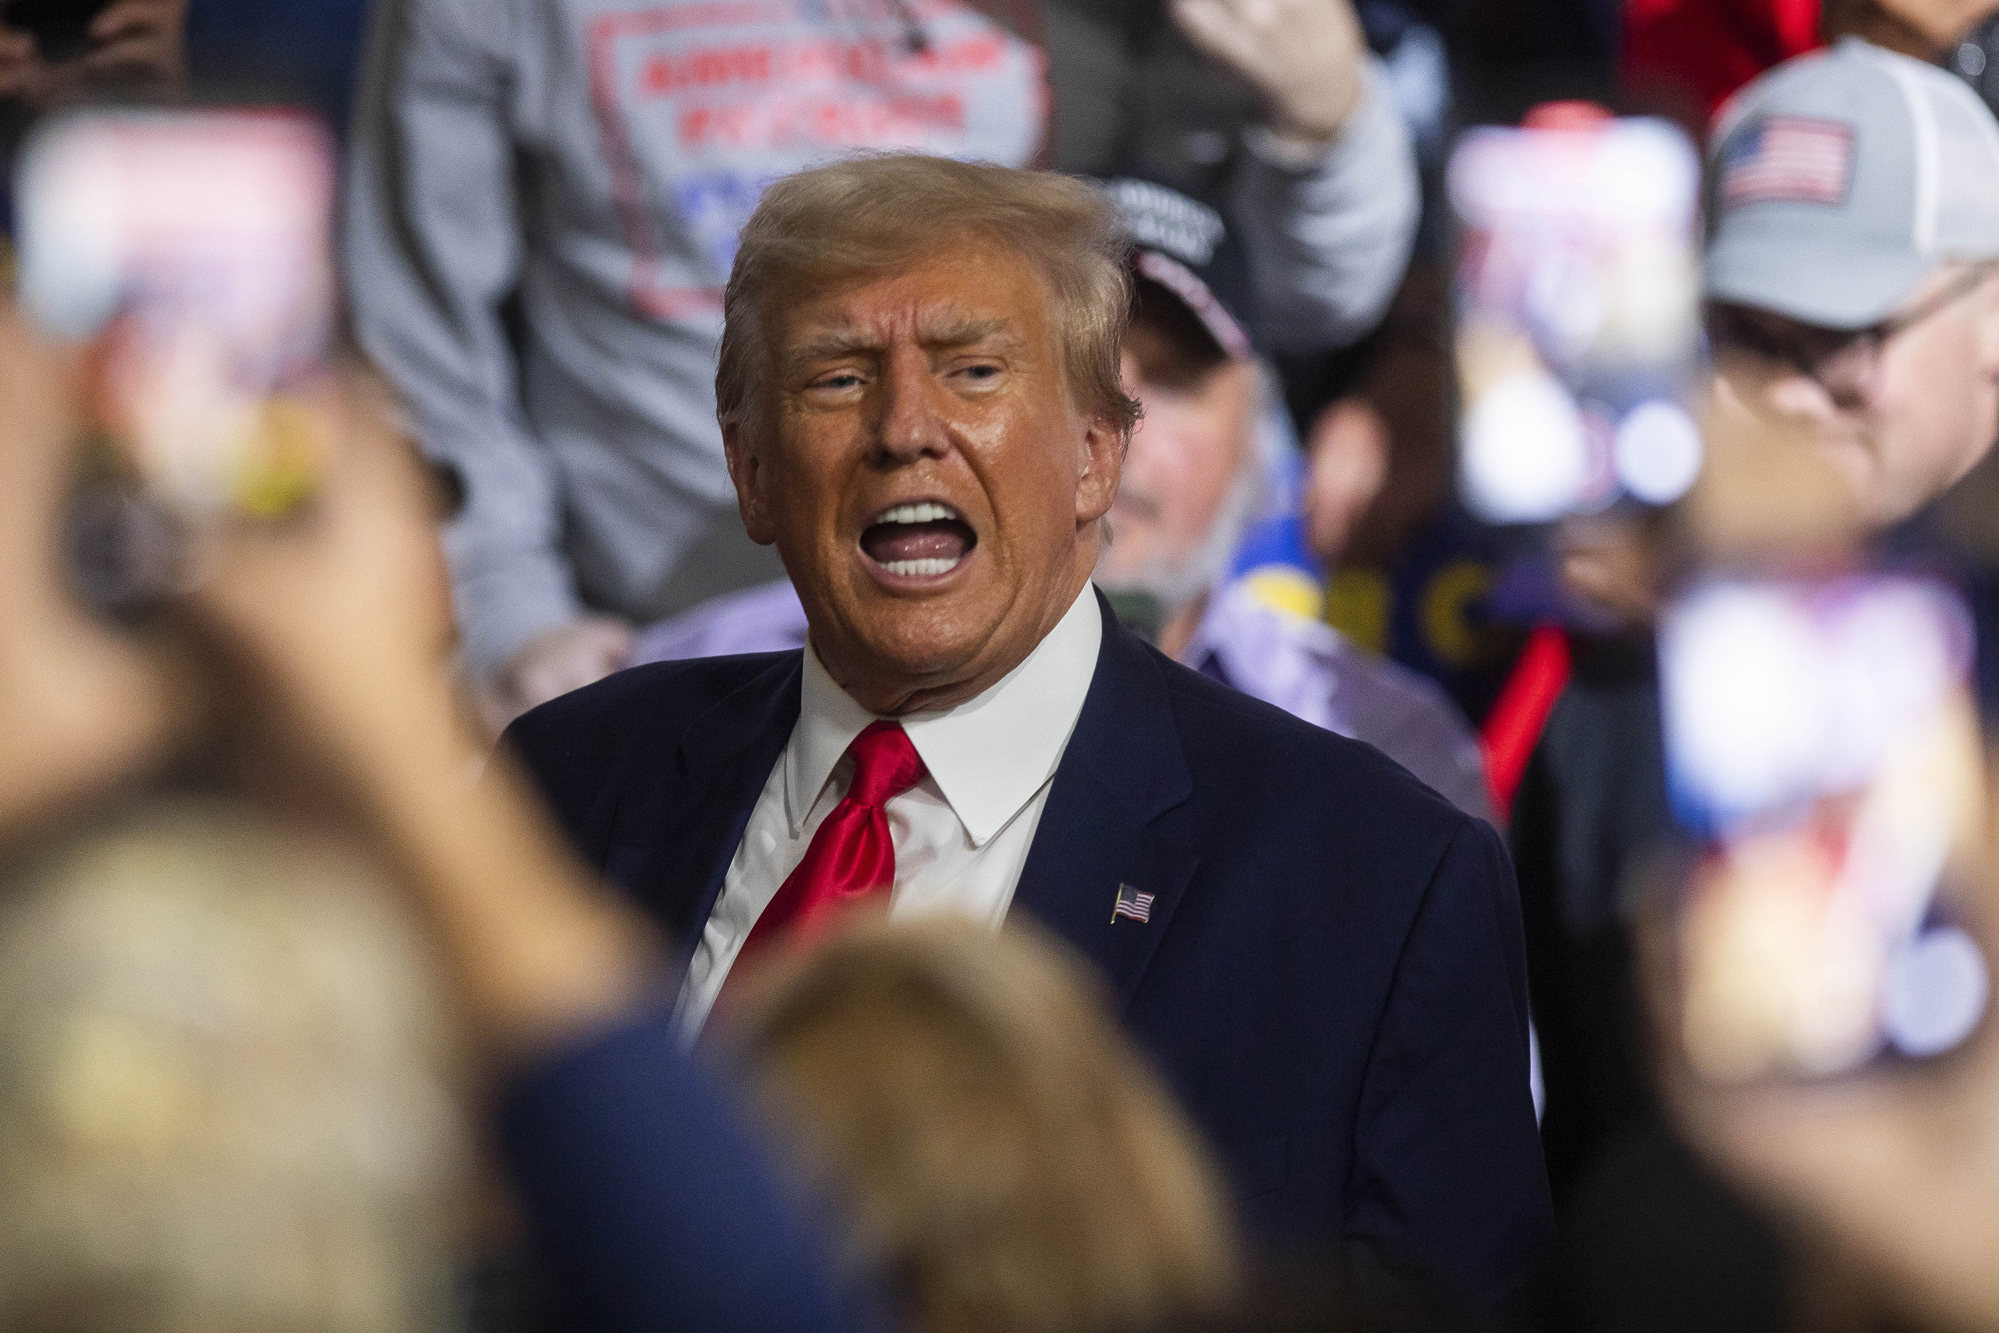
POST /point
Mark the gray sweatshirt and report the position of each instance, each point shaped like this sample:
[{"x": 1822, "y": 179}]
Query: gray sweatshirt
[{"x": 543, "y": 207}]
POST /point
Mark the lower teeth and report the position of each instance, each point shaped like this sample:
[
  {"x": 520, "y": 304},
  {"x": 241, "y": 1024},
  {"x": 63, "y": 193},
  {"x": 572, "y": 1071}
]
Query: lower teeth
[{"x": 919, "y": 568}]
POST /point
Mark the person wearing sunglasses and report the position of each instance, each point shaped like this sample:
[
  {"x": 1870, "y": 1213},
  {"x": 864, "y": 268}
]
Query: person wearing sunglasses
[{"x": 1852, "y": 271}]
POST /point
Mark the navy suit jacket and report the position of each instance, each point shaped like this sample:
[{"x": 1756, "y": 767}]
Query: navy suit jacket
[{"x": 1332, "y": 978}]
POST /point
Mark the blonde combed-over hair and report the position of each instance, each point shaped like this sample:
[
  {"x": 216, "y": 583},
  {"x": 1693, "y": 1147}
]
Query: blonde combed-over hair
[{"x": 875, "y": 214}]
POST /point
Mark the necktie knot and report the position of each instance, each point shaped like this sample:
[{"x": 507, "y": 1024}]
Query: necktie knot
[{"x": 885, "y": 764}]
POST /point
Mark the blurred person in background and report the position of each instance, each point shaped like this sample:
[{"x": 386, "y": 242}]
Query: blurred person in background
[
  {"x": 1870, "y": 330},
  {"x": 921, "y": 394},
  {"x": 1857, "y": 298},
  {"x": 1960, "y": 35},
  {"x": 1410, "y": 574},
  {"x": 1406, "y": 573},
  {"x": 997, "y": 1154},
  {"x": 545, "y": 199},
  {"x": 1198, "y": 474},
  {"x": 1684, "y": 58},
  {"x": 1853, "y": 221},
  {"x": 1272, "y": 114},
  {"x": 180, "y": 996}
]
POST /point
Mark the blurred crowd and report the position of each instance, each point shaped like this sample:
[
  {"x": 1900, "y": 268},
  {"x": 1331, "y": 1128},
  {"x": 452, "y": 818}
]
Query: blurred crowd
[{"x": 329, "y": 995}]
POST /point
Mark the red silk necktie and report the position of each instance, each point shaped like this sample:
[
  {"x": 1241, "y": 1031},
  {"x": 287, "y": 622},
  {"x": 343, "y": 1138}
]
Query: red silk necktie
[{"x": 851, "y": 857}]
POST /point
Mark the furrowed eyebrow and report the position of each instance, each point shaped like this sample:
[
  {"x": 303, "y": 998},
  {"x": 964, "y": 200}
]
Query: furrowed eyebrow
[
  {"x": 831, "y": 346},
  {"x": 947, "y": 332},
  {"x": 962, "y": 332}
]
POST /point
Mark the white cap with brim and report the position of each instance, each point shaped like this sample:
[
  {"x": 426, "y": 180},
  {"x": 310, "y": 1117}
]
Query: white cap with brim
[
  {"x": 1831, "y": 286},
  {"x": 1839, "y": 180}
]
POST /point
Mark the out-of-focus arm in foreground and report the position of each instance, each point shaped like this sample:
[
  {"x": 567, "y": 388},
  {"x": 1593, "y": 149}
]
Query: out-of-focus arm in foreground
[
  {"x": 635, "y": 1166},
  {"x": 80, "y": 706}
]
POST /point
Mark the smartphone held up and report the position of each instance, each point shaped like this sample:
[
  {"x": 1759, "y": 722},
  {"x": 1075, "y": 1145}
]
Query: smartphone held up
[
  {"x": 189, "y": 253},
  {"x": 1823, "y": 748},
  {"x": 1578, "y": 337}
]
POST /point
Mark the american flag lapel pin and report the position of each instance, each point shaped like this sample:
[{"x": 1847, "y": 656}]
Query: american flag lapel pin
[{"x": 1132, "y": 903}]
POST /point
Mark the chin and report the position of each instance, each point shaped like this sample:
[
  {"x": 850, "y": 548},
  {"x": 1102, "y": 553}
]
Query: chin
[{"x": 921, "y": 642}]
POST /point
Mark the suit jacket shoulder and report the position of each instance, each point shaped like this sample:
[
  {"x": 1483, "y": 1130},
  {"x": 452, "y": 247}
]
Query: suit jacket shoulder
[
  {"x": 582, "y": 748},
  {"x": 1251, "y": 754}
]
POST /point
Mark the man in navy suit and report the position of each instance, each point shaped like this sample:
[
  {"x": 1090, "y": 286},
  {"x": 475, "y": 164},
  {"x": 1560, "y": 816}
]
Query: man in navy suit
[{"x": 920, "y": 397}]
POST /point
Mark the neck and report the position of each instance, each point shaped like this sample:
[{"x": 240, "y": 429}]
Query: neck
[
  {"x": 899, "y": 698},
  {"x": 1178, "y": 631}
]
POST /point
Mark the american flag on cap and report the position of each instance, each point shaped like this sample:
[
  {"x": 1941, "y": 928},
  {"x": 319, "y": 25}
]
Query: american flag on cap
[
  {"x": 1789, "y": 160},
  {"x": 1132, "y": 903}
]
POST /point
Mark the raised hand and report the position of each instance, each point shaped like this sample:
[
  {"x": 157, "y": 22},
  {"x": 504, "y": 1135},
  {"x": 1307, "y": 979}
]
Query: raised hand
[
  {"x": 1305, "y": 56},
  {"x": 335, "y": 632}
]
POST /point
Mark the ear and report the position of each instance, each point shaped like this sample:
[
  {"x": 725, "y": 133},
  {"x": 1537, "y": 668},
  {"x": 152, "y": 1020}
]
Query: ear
[
  {"x": 752, "y": 478},
  {"x": 1347, "y": 455},
  {"x": 1103, "y": 448}
]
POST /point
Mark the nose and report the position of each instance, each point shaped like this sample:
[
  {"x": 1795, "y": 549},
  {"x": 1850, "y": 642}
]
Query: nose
[
  {"x": 1812, "y": 401},
  {"x": 1799, "y": 397},
  {"x": 910, "y": 425}
]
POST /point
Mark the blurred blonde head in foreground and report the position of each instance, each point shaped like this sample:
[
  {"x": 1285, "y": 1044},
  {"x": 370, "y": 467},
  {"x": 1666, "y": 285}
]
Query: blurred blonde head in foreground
[
  {"x": 998, "y": 1154},
  {"x": 225, "y": 1098}
]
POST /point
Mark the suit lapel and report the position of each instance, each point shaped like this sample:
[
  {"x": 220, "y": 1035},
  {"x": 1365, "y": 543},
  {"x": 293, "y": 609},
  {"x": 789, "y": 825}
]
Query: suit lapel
[
  {"x": 675, "y": 844},
  {"x": 1123, "y": 769}
]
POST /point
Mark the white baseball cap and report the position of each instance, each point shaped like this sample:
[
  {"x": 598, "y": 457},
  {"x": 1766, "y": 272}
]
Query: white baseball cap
[{"x": 1839, "y": 180}]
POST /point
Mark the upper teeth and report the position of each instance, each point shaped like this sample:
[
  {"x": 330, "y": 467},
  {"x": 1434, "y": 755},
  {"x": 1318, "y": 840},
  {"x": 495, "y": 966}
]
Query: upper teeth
[{"x": 928, "y": 511}]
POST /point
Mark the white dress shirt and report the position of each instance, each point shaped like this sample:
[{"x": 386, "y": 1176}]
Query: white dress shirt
[{"x": 961, "y": 834}]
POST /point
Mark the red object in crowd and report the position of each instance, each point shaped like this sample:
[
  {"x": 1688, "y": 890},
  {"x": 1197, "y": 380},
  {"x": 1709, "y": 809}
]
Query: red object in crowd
[
  {"x": 1513, "y": 727},
  {"x": 1704, "y": 50}
]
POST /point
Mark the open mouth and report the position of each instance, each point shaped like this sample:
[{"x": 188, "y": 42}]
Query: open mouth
[{"x": 925, "y": 539}]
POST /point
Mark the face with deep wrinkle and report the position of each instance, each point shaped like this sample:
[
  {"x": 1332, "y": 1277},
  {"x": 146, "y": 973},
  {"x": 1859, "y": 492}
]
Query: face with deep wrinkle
[
  {"x": 1901, "y": 422},
  {"x": 917, "y": 456}
]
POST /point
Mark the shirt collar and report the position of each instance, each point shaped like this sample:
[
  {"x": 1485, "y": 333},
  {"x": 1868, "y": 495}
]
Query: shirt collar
[{"x": 988, "y": 755}]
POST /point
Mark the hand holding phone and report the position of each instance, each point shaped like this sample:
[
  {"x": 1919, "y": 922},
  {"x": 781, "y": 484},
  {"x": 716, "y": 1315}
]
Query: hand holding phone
[
  {"x": 1822, "y": 746},
  {"x": 1895, "y": 1176}
]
